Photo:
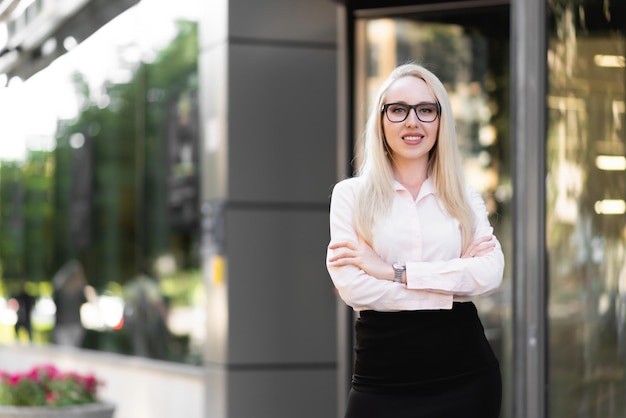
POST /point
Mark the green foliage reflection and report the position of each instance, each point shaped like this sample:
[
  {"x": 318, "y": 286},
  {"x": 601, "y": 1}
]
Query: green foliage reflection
[{"x": 111, "y": 197}]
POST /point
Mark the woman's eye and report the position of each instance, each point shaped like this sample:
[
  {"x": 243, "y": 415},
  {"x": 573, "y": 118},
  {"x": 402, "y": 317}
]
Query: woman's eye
[
  {"x": 398, "y": 109},
  {"x": 427, "y": 109}
]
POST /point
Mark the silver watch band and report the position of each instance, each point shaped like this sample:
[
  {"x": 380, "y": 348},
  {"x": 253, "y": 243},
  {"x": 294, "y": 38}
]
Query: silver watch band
[{"x": 398, "y": 269}]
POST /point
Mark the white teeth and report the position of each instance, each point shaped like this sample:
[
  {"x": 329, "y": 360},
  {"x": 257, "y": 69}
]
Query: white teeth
[{"x": 411, "y": 138}]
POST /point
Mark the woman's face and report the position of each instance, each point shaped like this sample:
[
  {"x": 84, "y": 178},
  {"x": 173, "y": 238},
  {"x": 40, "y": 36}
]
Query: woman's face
[{"x": 410, "y": 140}]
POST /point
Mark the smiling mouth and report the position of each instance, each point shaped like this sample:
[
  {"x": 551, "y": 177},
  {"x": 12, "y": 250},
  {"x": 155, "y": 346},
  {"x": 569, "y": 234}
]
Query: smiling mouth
[{"x": 412, "y": 138}]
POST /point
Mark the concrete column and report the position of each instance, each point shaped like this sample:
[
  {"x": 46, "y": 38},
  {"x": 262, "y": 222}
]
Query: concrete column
[{"x": 268, "y": 103}]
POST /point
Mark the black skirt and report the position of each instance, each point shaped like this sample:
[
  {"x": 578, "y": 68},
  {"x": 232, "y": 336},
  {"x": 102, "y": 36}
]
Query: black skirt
[{"x": 424, "y": 364}]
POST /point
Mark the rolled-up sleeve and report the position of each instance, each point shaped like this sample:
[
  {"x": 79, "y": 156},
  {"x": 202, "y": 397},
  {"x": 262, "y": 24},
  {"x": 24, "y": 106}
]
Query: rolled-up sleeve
[
  {"x": 462, "y": 276},
  {"x": 358, "y": 289}
]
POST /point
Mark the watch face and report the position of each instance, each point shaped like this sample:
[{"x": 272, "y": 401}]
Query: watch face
[{"x": 399, "y": 266}]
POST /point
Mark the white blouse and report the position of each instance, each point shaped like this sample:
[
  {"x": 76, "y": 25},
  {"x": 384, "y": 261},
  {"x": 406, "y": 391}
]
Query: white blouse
[{"x": 421, "y": 233}]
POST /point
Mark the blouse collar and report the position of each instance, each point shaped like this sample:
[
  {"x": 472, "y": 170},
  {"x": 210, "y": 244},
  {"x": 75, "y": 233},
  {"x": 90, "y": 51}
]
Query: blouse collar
[{"x": 426, "y": 189}]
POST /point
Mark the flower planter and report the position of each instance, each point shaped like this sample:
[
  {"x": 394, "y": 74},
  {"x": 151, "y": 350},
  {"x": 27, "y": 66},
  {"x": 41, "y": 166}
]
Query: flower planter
[{"x": 90, "y": 410}]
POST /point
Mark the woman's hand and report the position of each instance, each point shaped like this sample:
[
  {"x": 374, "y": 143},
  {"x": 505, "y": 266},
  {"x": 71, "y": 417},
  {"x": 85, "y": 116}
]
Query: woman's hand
[
  {"x": 361, "y": 255},
  {"x": 482, "y": 246}
]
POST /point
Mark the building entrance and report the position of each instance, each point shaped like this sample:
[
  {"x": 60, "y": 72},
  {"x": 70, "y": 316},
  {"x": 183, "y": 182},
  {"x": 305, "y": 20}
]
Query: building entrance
[{"x": 468, "y": 48}]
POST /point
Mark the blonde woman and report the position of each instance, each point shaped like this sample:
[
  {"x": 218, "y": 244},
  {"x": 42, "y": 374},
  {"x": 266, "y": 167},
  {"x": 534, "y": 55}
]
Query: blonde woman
[{"x": 410, "y": 247}]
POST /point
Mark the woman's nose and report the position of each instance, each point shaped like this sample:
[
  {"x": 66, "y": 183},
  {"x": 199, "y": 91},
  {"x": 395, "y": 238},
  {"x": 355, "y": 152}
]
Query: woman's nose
[{"x": 412, "y": 119}]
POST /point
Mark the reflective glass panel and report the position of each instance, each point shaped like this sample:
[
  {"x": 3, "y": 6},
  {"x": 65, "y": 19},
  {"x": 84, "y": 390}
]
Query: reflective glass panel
[
  {"x": 586, "y": 207},
  {"x": 469, "y": 50},
  {"x": 99, "y": 196}
]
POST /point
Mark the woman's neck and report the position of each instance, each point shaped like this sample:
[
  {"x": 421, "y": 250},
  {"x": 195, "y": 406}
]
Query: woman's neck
[{"x": 411, "y": 177}]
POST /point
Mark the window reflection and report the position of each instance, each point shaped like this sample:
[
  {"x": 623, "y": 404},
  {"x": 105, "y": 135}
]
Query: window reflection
[
  {"x": 586, "y": 202},
  {"x": 99, "y": 191}
]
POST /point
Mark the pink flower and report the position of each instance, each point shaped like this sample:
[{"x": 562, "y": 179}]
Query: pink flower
[
  {"x": 91, "y": 383},
  {"x": 15, "y": 379},
  {"x": 50, "y": 386},
  {"x": 48, "y": 369}
]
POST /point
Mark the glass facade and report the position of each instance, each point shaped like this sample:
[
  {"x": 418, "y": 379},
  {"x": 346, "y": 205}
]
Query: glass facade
[
  {"x": 586, "y": 206},
  {"x": 99, "y": 192},
  {"x": 469, "y": 50}
]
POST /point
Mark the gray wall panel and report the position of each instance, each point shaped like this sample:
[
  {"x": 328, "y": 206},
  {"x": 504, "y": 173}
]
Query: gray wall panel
[
  {"x": 282, "y": 304},
  {"x": 282, "y": 123},
  {"x": 282, "y": 394},
  {"x": 268, "y": 80},
  {"x": 295, "y": 20}
]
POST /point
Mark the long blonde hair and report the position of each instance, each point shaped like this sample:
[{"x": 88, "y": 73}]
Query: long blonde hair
[{"x": 444, "y": 164}]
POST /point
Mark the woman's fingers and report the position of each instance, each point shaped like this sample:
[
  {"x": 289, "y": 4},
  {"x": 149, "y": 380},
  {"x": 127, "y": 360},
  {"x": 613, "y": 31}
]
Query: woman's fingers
[
  {"x": 482, "y": 250},
  {"x": 347, "y": 244},
  {"x": 482, "y": 240},
  {"x": 342, "y": 252},
  {"x": 479, "y": 247},
  {"x": 358, "y": 254},
  {"x": 341, "y": 255}
]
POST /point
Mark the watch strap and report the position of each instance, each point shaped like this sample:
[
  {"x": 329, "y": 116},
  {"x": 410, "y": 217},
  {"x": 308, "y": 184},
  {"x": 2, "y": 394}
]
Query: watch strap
[{"x": 398, "y": 269}]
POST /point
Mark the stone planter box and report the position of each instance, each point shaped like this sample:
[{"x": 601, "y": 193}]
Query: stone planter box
[{"x": 92, "y": 410}]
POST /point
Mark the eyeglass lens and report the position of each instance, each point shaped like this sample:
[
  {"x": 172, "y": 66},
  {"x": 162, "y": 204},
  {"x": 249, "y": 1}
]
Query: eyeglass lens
[{"x": 398, "y": 112}]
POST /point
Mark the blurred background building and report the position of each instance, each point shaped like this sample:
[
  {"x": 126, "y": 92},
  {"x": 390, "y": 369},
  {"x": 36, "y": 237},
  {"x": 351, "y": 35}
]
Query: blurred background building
[{"x": 166, "y": 168}]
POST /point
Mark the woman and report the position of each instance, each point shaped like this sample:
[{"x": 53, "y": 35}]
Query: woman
[{"x": 410, "y": 246}]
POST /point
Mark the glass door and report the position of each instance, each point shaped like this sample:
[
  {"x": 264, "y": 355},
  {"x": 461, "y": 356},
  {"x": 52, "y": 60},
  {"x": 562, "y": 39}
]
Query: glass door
[
  {"x": 468, "y": 48},
  {"x": 586, "y": 208}
]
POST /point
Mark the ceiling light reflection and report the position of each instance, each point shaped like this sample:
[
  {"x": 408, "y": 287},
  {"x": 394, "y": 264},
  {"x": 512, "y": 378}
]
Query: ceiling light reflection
[
  {"x": 610, "y": 207},
  {"x": 611, "y": 162},
  {"x": 609, "y": 61}
]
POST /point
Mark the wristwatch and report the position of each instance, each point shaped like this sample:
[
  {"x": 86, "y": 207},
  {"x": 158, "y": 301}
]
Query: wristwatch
[{"x": 398, "y": 269}]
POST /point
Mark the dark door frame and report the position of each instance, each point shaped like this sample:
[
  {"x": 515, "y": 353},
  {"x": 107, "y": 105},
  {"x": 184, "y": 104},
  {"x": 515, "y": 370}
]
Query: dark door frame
[{"x": 528, "y": 93}]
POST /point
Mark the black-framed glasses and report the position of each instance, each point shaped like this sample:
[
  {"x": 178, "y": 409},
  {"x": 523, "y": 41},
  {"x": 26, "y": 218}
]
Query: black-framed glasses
[{"x": 425, "y": 112}]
